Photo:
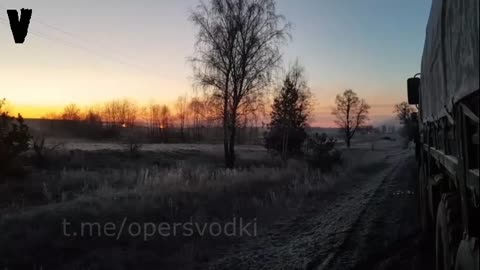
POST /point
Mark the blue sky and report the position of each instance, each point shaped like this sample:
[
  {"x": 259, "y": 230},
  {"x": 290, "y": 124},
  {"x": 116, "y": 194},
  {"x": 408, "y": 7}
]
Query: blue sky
[{"x": 92, "y": 51}]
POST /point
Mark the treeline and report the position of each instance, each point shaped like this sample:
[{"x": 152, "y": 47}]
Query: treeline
[{"x": 188, "y": 120}]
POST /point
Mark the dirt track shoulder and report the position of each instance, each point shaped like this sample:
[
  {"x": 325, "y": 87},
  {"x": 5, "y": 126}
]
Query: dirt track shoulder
[{"x": 317, "y": 234}]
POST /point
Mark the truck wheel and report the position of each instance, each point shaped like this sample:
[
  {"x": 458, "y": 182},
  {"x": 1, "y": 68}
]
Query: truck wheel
[
  {"x": 448, "y": 231},
  {"x": 468, "y": 255}
]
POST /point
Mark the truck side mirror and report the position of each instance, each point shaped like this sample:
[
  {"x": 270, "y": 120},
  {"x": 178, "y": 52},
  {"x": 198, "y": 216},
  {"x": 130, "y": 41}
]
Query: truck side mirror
[{"x": 413, "y": 85}]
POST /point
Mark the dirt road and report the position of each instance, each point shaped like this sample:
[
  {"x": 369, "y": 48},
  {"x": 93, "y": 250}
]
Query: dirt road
[
  {"x": 368, "y": 222},
  {"x": 386, "y": 234}
]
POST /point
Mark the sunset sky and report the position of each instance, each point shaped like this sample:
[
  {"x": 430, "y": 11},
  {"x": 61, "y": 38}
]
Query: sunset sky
[{"x": 89, "y": 52}]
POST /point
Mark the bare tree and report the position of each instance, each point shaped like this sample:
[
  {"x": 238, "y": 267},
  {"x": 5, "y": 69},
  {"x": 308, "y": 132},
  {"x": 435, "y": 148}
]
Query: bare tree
[
  {"x": 152, "y": 116},
  {"x": 238, "y": 45},
  {"x": 118, "y": 113},
  {"x": 181, "y": 114},
  {"x": 128, "y": 112},
  {"x": 110, "y": 113},
  {"x": 197, "y": 110},
  {"x": 158, "y": 119},
  {"x": 403, "y": 111},
  {"x": 165, "y": 117},
  {"x": 71, "y": 112},
  {"x": 351, "y": 112},
  {"x": 93, "y": 117}
]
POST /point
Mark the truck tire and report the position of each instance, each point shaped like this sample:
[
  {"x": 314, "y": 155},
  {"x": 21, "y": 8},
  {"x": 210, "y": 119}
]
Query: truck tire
[
  {"x": 468, "y": 255},
  {"x": 447, "y": 232}
]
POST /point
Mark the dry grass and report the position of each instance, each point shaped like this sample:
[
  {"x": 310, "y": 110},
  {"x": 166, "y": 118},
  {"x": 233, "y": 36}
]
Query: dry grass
[{"x": 151, "y": 194}]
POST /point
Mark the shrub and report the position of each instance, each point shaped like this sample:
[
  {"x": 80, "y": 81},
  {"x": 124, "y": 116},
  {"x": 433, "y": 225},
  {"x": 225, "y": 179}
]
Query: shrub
[
  {"x": 14, "y": 140},
  {"x": 320, "y": 152},
  {"x": 388, "y": 138},
  {"x": 43, "y": 153},
  {"x": 131, "y": 142},
  {"x": 275, "y": 140}
]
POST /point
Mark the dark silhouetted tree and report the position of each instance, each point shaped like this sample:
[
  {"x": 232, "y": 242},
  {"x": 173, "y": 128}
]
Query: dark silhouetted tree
[
  {"x": 198, "y": 110},
  {"x": 404, "y": 113},
  {"x": 151, "y": 115},
  {"x": 320, "y": 152},
  {"x": 181, "y": 111},
  {"x": 120, "y": 113},
  {"x": 93, "y": 123},
  {"x": 93, "y": 117},
  {"x": 165, "y": 122},
  {"x": 289, "y": 115},
  {"x": 71, "y": 112},
  {"x": 237, "y": 47},
  {"x": 14, "y": 140},
  {"x": 351, "y": 113}
]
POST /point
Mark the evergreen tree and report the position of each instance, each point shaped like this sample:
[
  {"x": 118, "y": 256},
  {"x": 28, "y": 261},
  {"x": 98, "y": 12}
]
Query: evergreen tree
[{"x": 289, "y": 117}]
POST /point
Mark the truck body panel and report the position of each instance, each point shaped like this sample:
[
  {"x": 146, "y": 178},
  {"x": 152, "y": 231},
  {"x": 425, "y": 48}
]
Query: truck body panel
[
  {"x": 447, "y": 133},
  {"x": 450, "y": 62}
]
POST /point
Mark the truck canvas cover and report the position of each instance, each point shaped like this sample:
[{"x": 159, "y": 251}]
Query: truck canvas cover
[{"x": 450, "y": 63}]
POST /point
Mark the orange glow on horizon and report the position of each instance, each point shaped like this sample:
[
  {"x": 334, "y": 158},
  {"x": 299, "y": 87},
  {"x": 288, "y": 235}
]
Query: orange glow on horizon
[
  {"x": 34, "y": 111},
  {"x": 321, "y": 116}
]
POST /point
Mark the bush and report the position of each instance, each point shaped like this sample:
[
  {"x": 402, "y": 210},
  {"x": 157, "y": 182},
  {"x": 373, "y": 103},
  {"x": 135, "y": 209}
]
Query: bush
[
  {"x": 14, "y": 140},
  {"x": 320, "y": 152},
  {"x": 388, "y": 138},
  {"x": 132, "y": 144},
  {"x": 43, "y": 153},
  {"x": 274, "y": 141}
]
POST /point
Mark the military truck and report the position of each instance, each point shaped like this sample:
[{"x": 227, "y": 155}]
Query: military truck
[{"x": 446, "y": 93}]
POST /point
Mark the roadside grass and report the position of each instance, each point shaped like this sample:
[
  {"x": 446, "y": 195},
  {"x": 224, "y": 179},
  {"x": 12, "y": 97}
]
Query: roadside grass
[{"x": 185, "y": 191}]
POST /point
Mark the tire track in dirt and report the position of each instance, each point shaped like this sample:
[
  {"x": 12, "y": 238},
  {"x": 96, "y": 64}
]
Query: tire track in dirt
[
  {"x": 386, "y": 227},
  {"x": 353, "y": 232},
  {"x": 306, "y": 241}
]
